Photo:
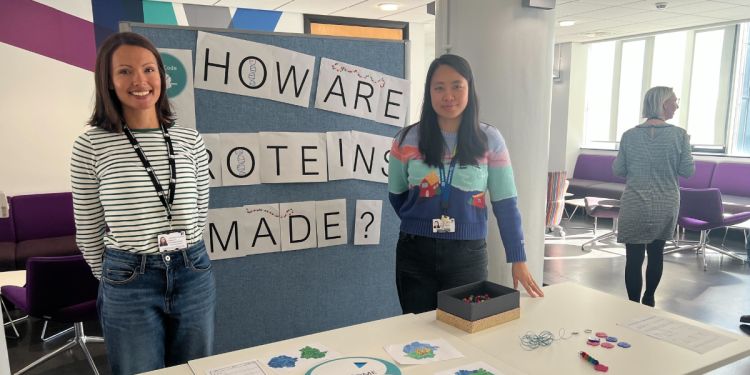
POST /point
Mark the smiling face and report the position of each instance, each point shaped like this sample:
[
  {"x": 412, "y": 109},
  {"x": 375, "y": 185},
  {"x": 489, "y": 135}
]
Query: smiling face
[
  {"x": 135, "y": 79},
  {"x": 449, "y": 93}
]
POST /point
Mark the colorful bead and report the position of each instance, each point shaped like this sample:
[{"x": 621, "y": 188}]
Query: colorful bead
[
  {"x": 588, "y": 358},
  {"x": 601, "y": 334},
  {"x": 623, "y": 344},
  {"x": 476, "y": 299},
  {"x": 601, "y": 368},
  {"x": 597, "y": 366},
  {"x": 607, "y": 345},
  {"x": 612, "y": 339}
]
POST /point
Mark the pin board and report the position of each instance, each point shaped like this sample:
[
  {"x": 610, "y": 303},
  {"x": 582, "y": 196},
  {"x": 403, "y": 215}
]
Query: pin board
[{"x": 298, "y": 245}]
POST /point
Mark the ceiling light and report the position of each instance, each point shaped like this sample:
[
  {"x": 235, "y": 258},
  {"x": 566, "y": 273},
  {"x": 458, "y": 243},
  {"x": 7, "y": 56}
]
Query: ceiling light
[
  {"x": 567, "y": 23},
  {"x": 388, "y": 7}
]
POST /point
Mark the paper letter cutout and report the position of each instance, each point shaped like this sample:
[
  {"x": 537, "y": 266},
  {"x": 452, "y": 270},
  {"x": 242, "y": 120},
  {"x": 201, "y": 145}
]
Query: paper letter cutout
[
  {"x": 263, "y": 226},
  {"x": 259, "y": 70},
  {"x": 356, "y": 91},
  {"x": 293, "y": 157},
  {"x": 222, "y": 234},
  {"x": 298, "y": 227},
  {"x": 239, "y": 159},
  {"x": 369, "y": 156},
  {"x": 367, "y": 222},
  {"x": 331, "y": 222},
  {"x": 339, "y": 151},
  {"x": 394, "y": 102}
]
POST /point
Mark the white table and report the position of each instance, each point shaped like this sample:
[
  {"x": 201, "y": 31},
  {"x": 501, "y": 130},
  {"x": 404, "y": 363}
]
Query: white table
[
  {"x": 566, "y": 305},
  {"x": 367, "y": 339},
  {"x": 575, "y": 307},
  {"x": 183, "y": 369}
]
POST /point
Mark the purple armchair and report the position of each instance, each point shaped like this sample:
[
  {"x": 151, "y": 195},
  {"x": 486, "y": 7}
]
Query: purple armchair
[
  {"x": 593, "y": 177},
  {"x": 60, "y": 289},
  {"x": 733, "y": 180},
  {"x": 44, "y": 226},
  {"x": 702, "y": 210}
]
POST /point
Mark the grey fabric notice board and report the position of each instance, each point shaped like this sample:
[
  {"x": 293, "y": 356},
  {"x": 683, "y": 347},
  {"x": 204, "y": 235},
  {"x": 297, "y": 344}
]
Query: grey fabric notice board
[{"x": 274, "y": 296}]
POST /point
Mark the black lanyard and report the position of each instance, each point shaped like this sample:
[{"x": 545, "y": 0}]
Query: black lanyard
[{"x": 151, "y": 173}]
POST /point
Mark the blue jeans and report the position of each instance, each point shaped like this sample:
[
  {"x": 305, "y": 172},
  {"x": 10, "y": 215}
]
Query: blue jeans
[
  {"x": 425, "y": 266},
  {"x": 156, "y": 310}
]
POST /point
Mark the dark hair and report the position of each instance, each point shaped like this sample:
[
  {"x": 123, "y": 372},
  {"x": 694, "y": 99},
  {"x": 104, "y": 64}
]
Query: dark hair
[
  {"x": 108, "y": 109},
  {"x": 472, "y": 142}
]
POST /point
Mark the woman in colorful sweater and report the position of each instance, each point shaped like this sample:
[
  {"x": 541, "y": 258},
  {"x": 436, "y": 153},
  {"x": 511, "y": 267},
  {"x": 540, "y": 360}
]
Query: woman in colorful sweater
[
  {"x": 438, "y": 175},
  {"x": 138, "y": 180}
]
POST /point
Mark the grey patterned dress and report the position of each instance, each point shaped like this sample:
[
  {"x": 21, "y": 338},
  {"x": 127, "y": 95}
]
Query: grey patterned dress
[{"x": 651, "y": 158}]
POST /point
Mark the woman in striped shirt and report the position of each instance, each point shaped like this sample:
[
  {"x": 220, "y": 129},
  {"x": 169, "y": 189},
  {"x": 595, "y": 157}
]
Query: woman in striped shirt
[{"x": 139, "y": 181}]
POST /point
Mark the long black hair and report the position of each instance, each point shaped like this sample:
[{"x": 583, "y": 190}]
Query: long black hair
[
  {"x": 472, "y": 142},
  {"x": 108, "y": 113}
]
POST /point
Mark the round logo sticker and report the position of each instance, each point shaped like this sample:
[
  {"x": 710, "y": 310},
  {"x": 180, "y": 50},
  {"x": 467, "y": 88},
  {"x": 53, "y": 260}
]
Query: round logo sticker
[{"x": 176, "y": 74}]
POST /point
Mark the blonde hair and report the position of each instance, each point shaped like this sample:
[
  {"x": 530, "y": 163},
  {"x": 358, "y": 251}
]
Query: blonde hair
[{"x": 653, "y": 101}]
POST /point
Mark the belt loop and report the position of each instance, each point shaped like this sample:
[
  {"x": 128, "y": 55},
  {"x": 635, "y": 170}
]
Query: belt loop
[
  {"x": 143, "y": 264},
  {"x": 185, "y": 257}
]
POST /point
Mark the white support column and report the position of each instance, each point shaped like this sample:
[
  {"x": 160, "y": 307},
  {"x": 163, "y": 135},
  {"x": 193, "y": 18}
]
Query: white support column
[{"x": 510, "y": 49}]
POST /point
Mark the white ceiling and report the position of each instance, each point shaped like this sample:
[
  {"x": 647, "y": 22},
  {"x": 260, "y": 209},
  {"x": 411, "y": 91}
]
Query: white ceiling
[{"x": 595, "y": 19}]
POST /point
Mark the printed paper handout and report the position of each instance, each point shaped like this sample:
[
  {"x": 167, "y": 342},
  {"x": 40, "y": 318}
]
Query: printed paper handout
[
  {"x": 684, "y": 335},
  {"x": 476, "y": 368},
  {"x": 422, "y": 351},
  {"x": 251, "y": 367},
  {"x": 301, "y": 359}
]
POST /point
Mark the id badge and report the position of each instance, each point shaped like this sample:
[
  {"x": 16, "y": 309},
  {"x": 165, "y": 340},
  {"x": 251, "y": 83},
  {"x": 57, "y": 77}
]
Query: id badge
[
  {"x": 444, "y": 224},
  {"x": 171, "y": 241}
]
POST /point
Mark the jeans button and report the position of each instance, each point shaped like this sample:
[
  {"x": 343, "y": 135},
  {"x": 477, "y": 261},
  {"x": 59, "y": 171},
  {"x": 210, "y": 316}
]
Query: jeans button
[{"x": 167, "y": 258}]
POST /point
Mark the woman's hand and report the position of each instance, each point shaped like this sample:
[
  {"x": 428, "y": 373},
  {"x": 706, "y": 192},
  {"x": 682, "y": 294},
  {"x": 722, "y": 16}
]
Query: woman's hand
[{"x": 521, "y": 273}]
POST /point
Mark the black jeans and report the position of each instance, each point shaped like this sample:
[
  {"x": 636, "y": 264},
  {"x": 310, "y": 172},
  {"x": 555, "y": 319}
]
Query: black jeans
[{"x": 425, "y": 266}]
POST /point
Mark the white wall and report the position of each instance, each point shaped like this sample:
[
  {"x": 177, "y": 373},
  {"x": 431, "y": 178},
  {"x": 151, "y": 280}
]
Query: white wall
[
  {"x": 566, "y": 123},
  {"x": 558, "y": 127},
  {"x": 44, "y": 108}
]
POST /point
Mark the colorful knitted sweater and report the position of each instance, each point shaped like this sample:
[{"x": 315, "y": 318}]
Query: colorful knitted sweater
[{"x": 414, "y": 192}]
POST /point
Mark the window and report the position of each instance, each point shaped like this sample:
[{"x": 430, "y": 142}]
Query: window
[
  {"x": 739, "y": 132},
  {"x": 704, "y": 88},
  {"x": 631, "y": 85},
  {"x": 696, "y": 63},
  {"x": 599, "y": 91},
  {"x": 663, "y": 70}
]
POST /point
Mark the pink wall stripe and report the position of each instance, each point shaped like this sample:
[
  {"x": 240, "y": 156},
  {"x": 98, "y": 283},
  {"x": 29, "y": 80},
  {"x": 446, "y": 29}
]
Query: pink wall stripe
[{"x": 47, "y": 31}]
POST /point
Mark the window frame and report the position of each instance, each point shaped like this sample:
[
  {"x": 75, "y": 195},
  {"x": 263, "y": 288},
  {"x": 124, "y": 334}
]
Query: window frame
[{"x": 724, "y": 105}]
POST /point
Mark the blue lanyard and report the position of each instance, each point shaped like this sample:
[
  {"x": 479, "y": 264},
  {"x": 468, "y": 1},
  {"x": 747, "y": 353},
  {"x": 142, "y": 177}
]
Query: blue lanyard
[{"x": 445, "y": 184}]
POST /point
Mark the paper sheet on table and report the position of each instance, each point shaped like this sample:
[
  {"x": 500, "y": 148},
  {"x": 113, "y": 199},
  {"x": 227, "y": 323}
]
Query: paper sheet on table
[
  {"x": 681, "y": 334},
  {"x": 422, "y": 351},
  {"x": 251, "y": 367},
  {"x": 472, "y": 368},
  {"x": 300, "y": 359}
]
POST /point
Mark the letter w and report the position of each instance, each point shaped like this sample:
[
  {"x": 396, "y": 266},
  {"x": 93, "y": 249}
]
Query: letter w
[{"x": 293, "y": 73}]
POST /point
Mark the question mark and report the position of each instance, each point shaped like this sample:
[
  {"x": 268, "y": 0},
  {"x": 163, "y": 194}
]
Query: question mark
[{"x": 372, "y": 218}]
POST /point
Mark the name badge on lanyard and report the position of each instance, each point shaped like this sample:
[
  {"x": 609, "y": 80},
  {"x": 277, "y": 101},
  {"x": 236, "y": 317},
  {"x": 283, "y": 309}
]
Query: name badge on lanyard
[
  {"x": 172, "y": 240},
  {"x": 445, "y": 224}
]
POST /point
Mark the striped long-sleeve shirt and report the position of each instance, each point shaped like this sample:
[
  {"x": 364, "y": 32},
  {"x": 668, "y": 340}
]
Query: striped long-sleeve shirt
[
  {"x": 115, "y": 203},
  {"x": 414, "y": 192}
]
